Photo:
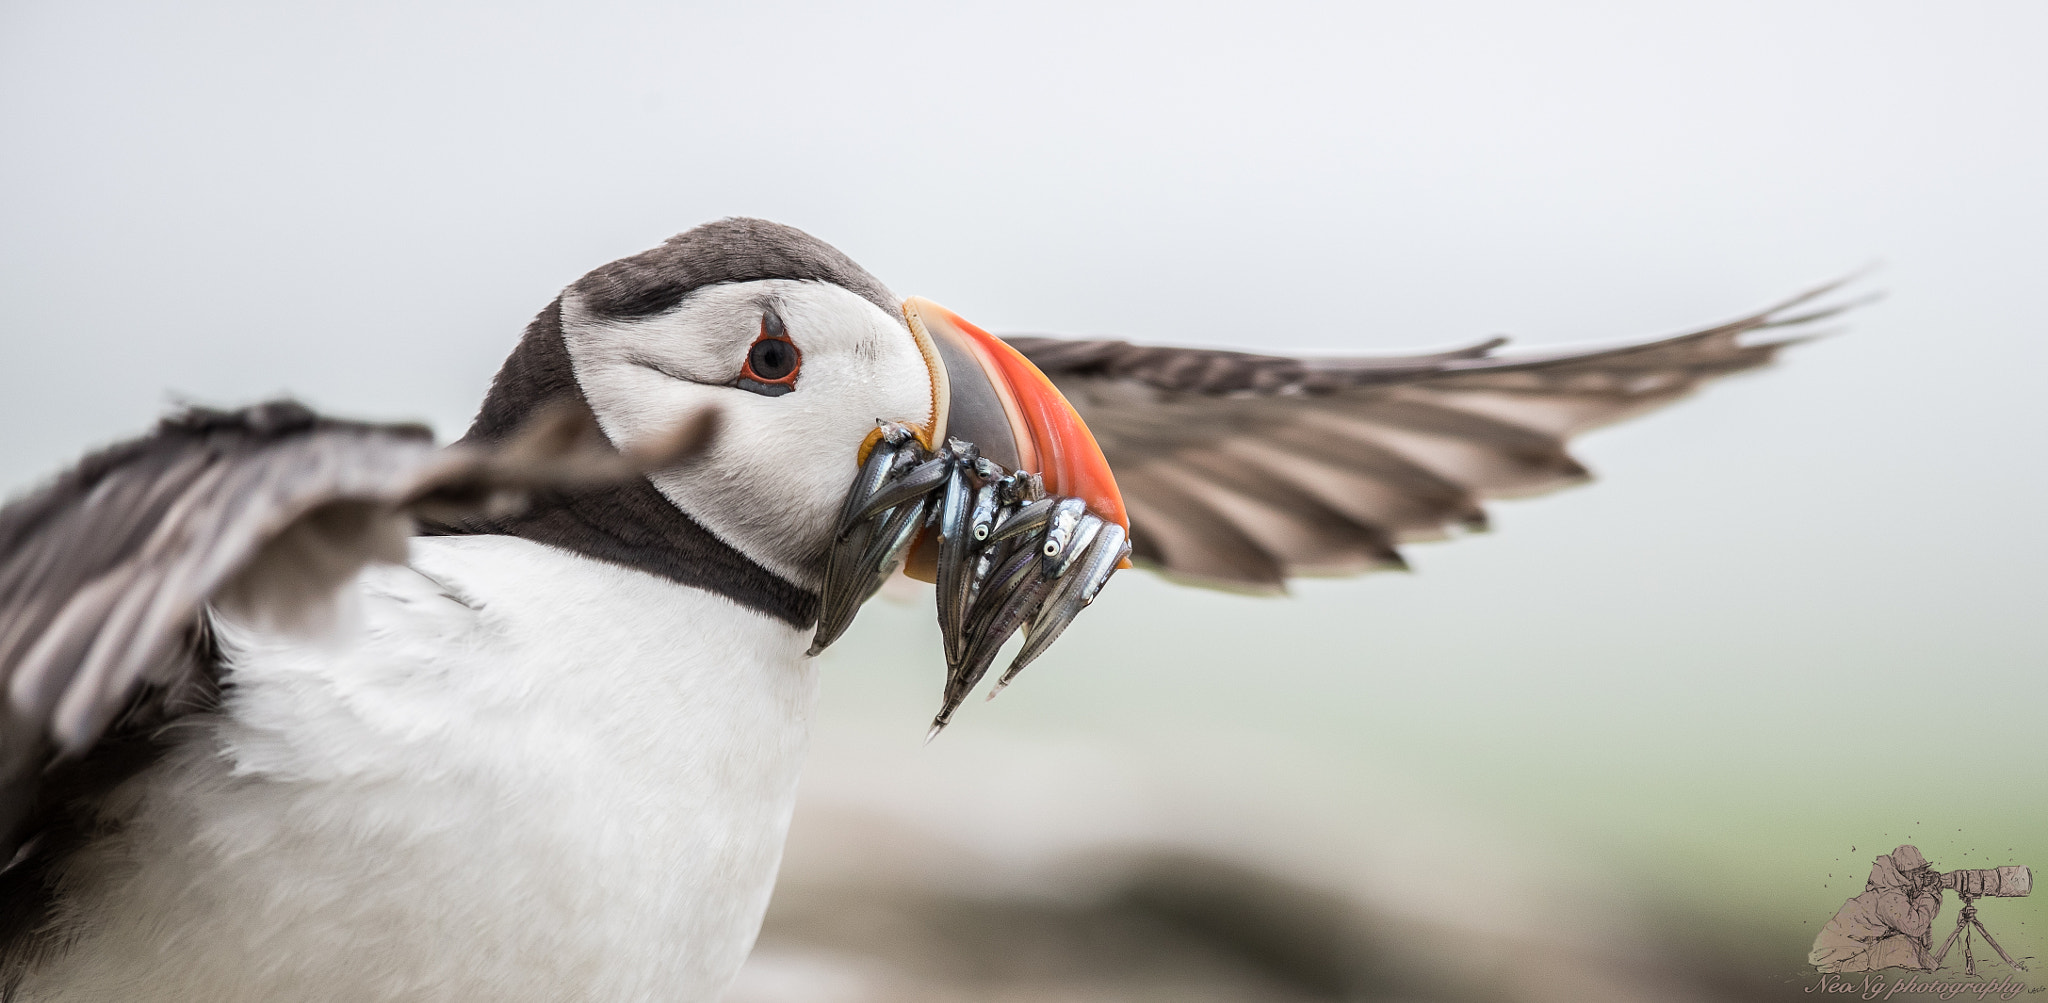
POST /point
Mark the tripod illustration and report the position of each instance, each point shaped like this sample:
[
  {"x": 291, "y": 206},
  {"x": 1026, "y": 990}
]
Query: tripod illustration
[{"x": 1964, "y": 921}]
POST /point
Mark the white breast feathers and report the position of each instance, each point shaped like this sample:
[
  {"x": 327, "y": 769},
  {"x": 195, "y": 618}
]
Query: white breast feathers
[{"x": 514, "y": 774}]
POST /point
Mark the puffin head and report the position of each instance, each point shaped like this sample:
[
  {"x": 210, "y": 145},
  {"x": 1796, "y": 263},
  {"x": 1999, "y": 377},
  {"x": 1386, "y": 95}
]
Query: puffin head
[{"x": 802, "y": 352}]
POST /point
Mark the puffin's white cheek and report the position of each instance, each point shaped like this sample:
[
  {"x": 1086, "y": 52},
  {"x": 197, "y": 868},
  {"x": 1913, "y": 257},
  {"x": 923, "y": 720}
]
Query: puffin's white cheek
[
  {"x": 638, "y": 405},
  {"x": 817, "y": 436},
  {"x": 773, "y": 483},
  {"x": 894, "y": 385}
]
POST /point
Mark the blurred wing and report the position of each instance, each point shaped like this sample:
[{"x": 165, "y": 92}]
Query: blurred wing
[
  {"x": 105, "y": 573},
  {"x": 1240, "y": 471}
]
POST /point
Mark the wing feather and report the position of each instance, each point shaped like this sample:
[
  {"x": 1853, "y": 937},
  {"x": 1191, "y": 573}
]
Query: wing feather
[
  {"x": 1316, "y": 533},
  {"x": 1242, "y": 470},
  {"x": 106, "y": 573},
  {"x": 1189, "y": 539}
]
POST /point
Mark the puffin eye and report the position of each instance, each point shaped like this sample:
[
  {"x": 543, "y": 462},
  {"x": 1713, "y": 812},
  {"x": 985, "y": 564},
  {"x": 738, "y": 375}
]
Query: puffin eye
[{"x": 773, "y": 361}]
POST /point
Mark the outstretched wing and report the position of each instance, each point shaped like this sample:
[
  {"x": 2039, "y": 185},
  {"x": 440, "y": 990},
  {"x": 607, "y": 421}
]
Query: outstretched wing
[
  {"x": 105, "y": 573},
  {"x": 1240, "y": 471}
]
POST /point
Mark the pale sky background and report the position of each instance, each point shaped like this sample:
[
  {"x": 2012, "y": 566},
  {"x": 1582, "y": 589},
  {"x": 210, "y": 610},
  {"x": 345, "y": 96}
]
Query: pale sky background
[{"x": 1798, "y": 614}]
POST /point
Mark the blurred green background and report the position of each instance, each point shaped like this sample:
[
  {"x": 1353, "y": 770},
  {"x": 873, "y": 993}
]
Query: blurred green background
[{"x": 1795, "y": 622}]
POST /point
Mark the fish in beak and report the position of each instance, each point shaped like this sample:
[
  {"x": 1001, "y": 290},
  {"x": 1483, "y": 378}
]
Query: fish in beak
[{"x": 1005, "y": 503}]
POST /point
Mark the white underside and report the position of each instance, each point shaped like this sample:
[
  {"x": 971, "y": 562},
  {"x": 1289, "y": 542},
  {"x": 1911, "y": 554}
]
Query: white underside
[{"x": 514, "y": 775}]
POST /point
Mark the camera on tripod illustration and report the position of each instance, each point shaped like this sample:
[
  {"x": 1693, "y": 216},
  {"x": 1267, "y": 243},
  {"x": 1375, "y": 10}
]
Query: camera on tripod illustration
[{"x": 2010, "y": 882}]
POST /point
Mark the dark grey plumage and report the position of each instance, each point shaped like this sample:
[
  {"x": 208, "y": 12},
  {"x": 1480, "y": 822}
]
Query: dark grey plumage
[
  {"x": 738, "y": 249},
  {"x": 1241, "y": 470}
]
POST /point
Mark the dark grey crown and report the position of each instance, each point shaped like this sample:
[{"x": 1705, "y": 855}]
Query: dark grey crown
[{"x": 729, "y": 250}]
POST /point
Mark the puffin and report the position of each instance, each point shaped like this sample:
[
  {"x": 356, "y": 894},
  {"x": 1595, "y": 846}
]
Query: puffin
[{"x": 298, "y": 707}]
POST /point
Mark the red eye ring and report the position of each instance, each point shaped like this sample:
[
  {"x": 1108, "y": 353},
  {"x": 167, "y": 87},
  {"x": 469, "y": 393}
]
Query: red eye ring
[{"x": 772, "y": 362}]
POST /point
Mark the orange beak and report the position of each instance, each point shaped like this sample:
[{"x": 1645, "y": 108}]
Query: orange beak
[{"x": 989, "y": 394}]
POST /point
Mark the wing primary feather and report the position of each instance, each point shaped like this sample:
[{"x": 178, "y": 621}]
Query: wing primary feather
[{"x": 1405, "y": 444}]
